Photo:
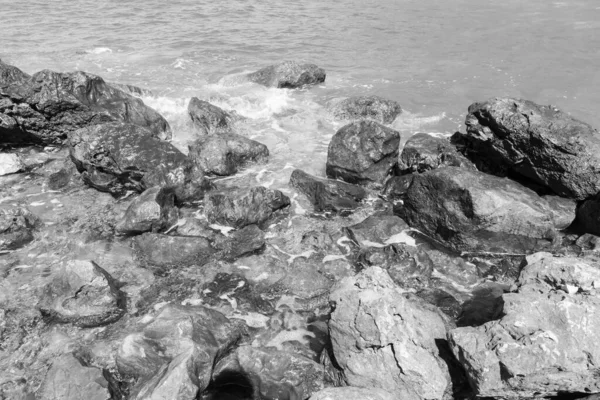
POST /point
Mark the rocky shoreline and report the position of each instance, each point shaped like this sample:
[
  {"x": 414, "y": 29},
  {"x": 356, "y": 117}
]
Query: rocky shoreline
[{"x": 446, "y": 269}]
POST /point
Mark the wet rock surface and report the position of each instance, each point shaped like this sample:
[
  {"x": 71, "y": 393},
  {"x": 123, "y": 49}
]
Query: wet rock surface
[
  {"x": 17, "y": 227},
  {"x": 153, "y": 211},
  {"x": 288, "y": 75},
  {"x": 375, "y": 108},
  {"x": 208, "y": 118},
  {"x": 363, "y": 152},
  {"x": 424, "y": 152},
  {"x": 473, "y": 211},
  {"x": 10, "y": 163},
  {"x": 328, "y": 194},
  {"x": 539, "y": 143},
  {"x": 47, "y": 106}
]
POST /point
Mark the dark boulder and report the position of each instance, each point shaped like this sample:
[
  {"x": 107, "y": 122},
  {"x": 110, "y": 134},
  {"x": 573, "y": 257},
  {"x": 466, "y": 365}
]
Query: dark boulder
[
  {"x": 16, "y": 227},
  {"x": 363, "y": 152},
  {"x": 49, "y": 105},
  {"x": 153, "y": 211},
  {"x": 376, "y": 108},
  {"x": 424, "y": 152},
  {"x": 241, "y": 207},
  {"x": 475, "y": 212},
  {"x": 328, "y": 194},
  {"x": 248, "y": 240},
  {"x": 224, "y": 154},
  {"x": 588, "y": 216},
  {"x": 209, "y": 118},
  {"x": 116, "y": 157},
  {"x": 188, "y": 181},
  {"x": 538, "y": 143},
  {"x": 396, "y": 187},
  {"x": 288, "y": 74},
  {"x": 83, "y": 294},
  {"x": 69, "y": 379},
  {"x": 164, "y": 251}
]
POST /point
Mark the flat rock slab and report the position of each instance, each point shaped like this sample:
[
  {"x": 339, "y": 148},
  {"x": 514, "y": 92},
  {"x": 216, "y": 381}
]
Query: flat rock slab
[
  {"x": 539, "y": 143},
  {"x": 363, "y": 152},
  {"x": 288, "y": 75},
  {"x": 375, "y": 108},
  {"x": 473, "y": 211}
]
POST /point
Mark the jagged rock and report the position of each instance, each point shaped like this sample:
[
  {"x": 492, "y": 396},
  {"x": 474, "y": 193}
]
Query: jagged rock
[
  {"x": 375, "y": 108},
  {"x": 16, "y": 227},
  {"x": 588, "y": 242},
  {"x": 188, "y": 181},
  {"x": 164, "y": 251},
  {"x": 153, "y": 211},
  {"x": 68, "y": 379},
  {"x": 115, "y": 157},
  {"x": 241, "y": 207},
  {"x": 386, "y": 340},
  {"x": 10, "y": 163},
  {"x": 539, "y": 143},
  {"x": 245, "y": 241},
  {"x": 209, "y": 118},
  {"x": 396, "y": 187},
  {"x": 288, "y": 74},
  {"x": 132, "y": 90},
  {"x": 424, "y": 152},
  {"x": 327, "y": 194},
  {"x": 378, "y": 230},
  {"x": 173, "y": 355},
  {"x": 475, "y": 212},
  {"x": 48, "y": 106},
  {"x": 268, "y": 374},
  {"x": 363, "y": 152},
  {"x": 83, "y": 294},
  {"x": 357, "y": 393},
  {"x": 544, "y": 344},
  {"x": 226, "y": 153}
]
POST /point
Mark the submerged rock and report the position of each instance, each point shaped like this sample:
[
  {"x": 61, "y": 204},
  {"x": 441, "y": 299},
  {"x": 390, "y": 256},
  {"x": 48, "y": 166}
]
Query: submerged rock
[
  {"x": 226, "y": 153},
  {"x": 241, "y": 207},
  {"x": 363, "y": 152},
  {"x": 47, "y": 106},
  {"x": 544, "y": 344},
  {"x": 386, "y": 340},
  {"x": 288, "y": 74},
  {"x": 153, "y": 211},
  {"x": 68, "y": 379},
  {"x": 16, "y": 227},
  {"x": 375, "y": 108},
  {"x": 115, "y": 157},
  {"x": 475, "y": 212},
  {"x": 209, "y": 118},
  {"x": 424, "y": 152},
  {"x": 327, "y": 194},
  {"x": 357, "y": 393},
  {"x": 164, "y": 251},
  {"x": 173, "y": 355},
  {"x": 83, "y": 294},
  {"x": 539, "y": 143}
]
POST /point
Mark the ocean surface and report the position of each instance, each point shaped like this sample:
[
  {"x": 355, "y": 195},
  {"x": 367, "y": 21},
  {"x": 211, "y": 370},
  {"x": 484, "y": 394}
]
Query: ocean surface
[{"x": 435, "y": 57}]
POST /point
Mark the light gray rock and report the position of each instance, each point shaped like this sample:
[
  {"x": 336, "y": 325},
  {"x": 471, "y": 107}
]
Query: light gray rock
[
  {"x": 10, "y": 163},
  {"x": 288, "y": 74},
  {"x": 356, "y": 393},
  {"x": 375, "y": 108}
]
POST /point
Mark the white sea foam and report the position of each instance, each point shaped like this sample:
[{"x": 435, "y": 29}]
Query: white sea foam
[{"x": 99, "y": 50}]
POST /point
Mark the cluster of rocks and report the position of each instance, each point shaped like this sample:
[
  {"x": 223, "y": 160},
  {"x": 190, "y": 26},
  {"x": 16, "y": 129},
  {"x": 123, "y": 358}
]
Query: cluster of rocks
[{"x": 475, "y": 275}]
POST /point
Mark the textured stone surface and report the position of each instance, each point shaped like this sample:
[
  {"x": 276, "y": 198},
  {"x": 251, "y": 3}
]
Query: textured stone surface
[
  {"x": 540, "y": 143},
  {"x": 424, "y": 152},
  {"x": 208, "y": 118},
  {"x": 17, "y": 225},
  {"x": 84, "y": 294},
  {"x": 10, "y": 163},
  {"x": 375, "y": 108},
  {"x": 357, "y": 393},
  {"x": 545, "y": 341},
  {"x": 164, "y": 251},
  {"x": 363, "y": 152},
  {"x": 288, "y": 74},
  {"x": 473, "y": 211},
  {"x": 152, "y": 211},
  {"x": 383, "y": 339},
  {"x": 328, "y": 194}
]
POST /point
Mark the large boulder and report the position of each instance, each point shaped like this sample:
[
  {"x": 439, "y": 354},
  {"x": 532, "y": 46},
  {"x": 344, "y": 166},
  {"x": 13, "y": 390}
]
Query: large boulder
[
  {"x": 241, "y": 207},
  {"x": 153, "y": 211},
  {"x": 208, "y": 118},
  {"x": 288, "y": 74},
  {"x": 475, "y": 212},
  {"x": 17, "y": 225},
  {"x": 363, "y": 152},
  {"x": 544, "y": 344},
  {"x": 117, "y": 158},
  {"x": 226, "y": 153},
  {"x": 48, "y": 106},
  {"x": 539, "y": 143},
  {"x": 376, "y": 108},
  {"x": 68, "y": 379},
  {"x": 83, "y": 294},
  {"x": 385, "y": 339},
  {"x": 328, "y": 194},
  {"x": 172, "y": 356},
  {"x": 424, "y": 152}
]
